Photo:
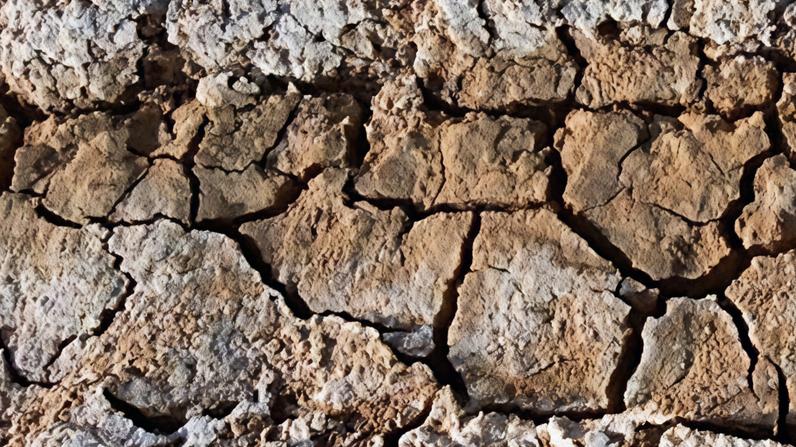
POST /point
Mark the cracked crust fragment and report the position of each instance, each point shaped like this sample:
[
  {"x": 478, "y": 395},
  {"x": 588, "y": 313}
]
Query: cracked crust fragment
[
  {"x": 304, "y": 40},
  {"x": 769, "y": 222},
  {"x": 323, "y": 134},
  {"x": 81, "y": 166},
  {"x": 764, "y": 294},
  {"x": 201, "y": 329},
  {"x": 663, "y": 73},
  {"x": 163, "y": 191},
  {"x": 236, "y": 138},
  {"x": 693, "y": 366},
  {"x": 786, "y": 113},
  {"x": 658, "y": 201},
  {"x": 431, "y": 160},
  {"x": 56, "y": 284},
  {"x": 230, "y": 195},
  {"x": 356, "y": 259},
  {"x": 537, "y": 326},
  {"x": 740, "y": 84},
  {"x": 448, "y": 425},
  {"x": 733, "y": 23},
  {"x": 459, "y": 62}
]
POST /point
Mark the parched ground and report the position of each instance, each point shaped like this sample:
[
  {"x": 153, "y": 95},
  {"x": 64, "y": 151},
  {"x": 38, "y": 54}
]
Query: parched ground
[{"x": 398, "y": 222}]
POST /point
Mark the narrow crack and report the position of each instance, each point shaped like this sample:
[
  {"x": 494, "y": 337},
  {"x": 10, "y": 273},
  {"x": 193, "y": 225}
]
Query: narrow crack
[
  {"x": 54, "y": 219},
  {"x": 156, "y": 424},
  {"x": 785, "y": 431},
  {"x": 438, "y": 360},
  {"x": 627, "y": 363},
  {"x": 392, "y": 439},
  {"x": 188, "y": 163},
  {"x": 743, "y": 335},
  {"x": 250, "y": 251}
]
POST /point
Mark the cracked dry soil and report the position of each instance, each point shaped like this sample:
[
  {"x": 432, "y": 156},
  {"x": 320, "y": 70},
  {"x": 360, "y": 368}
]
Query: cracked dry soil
[{"x": 398, "y": 222}]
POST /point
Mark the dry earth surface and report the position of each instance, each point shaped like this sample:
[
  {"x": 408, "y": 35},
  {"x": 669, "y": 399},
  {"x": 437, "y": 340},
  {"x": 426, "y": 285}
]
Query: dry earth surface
[{"x": 398, "y": 223}]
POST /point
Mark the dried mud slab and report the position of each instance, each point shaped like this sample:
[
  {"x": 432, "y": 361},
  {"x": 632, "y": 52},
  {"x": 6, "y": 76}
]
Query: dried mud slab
[
  {"x": 163, "y": 191},
  {"x": 431, "y": 160},
  {"x": 82, "y": 166},
  {"x": 201, "y": 330},
  {"x": 666, "y": 73},
  {"x": 59, "y": 54},
  {"x": 235, "y": 138},
  {"x": 656, "y": 191},
  {"x": 56, "y": 285},
  {"x": 770, "y": 221},
  {"x": 694, "y": 367},
  {"x": 353, "y": 258},
  {"x": 741, "y": 83},
  {"x": 764, "y": 295},
  {"x": 736, "y": 23},
  {"x": 537, "y": 326},
  {"x": 460, "y": 63}
]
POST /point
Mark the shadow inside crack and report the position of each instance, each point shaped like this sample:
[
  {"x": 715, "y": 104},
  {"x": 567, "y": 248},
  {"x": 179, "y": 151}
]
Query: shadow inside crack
[{"x": 157, "y": 424}]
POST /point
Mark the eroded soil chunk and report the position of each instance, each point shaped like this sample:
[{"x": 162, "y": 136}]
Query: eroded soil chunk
[
  {"x": 538, "y": 326},
  {"x": 694, "y": 367},
  {"x": 356, "y": 259},
  {"x": 431, "y": 160},
  {"x": 765, "y": 295}
]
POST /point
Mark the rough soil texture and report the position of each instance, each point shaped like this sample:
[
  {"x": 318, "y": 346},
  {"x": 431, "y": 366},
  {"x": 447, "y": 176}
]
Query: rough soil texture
[{"x": 415, "y": 223}]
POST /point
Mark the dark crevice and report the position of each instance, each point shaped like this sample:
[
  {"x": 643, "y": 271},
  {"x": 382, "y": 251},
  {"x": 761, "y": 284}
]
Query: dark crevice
[
  {"x": 392, "y": 438},
  {"x": 44, "y": 213},
  {"x": 220, "y": 410},
  {"x": 188, "y": 163},
  {"x": 156, "y": 424},
  {"x": 628, "y": 361},
  {"x": 108, "y": 314},
  {"x": 25, "y": 114},
  {"x": 250, "y": 251},
  {"x": 745, "y": 431},
  {"x": 548, "y": 113},
  {"x": 786, "y": 433},
  {"x": 361, "y": 143},
  {"x": 438, "y": 360},
  {"x": 61, "y": 346},
  {"x": 743, "y": 335},
  {"x": 416, "y": 212}
]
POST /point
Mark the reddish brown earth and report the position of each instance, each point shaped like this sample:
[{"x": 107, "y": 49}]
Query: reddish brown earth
[{"x": 398, "y": 222}]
